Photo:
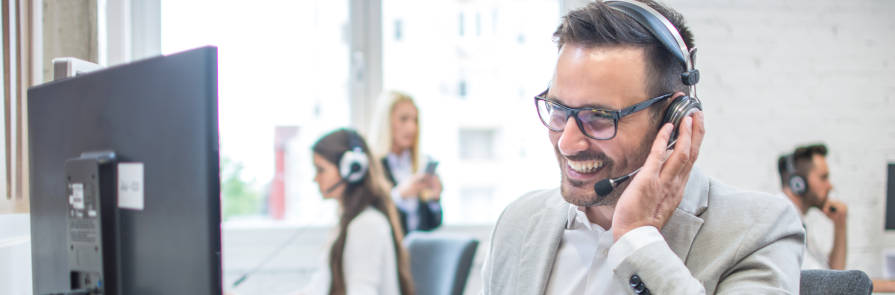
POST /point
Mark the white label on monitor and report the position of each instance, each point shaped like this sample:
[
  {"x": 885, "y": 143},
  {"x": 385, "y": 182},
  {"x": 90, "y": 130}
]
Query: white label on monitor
[
  {"x": 130, "y": 186},
  {"x": 77, "y": 196}
]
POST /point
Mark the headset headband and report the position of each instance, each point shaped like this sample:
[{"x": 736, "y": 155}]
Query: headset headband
[
  {"x": 791, "y": 164},
  {"x": 667, "y": 34}
]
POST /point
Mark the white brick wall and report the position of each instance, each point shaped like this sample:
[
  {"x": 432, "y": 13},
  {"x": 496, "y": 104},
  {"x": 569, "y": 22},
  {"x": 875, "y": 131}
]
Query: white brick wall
[{"x": 776, "y": 74}]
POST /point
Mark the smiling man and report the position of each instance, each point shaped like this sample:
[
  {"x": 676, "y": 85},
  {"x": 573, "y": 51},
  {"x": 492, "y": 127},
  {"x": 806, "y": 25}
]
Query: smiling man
[{"x": 631, "y": 215}]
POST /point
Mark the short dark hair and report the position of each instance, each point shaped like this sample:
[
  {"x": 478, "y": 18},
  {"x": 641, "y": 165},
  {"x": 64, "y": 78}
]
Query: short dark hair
[
  {"x": 597, "y": 25},
  {"x": 802, "y": 160}
]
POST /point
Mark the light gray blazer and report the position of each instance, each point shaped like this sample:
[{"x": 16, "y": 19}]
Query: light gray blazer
[{"x": 719, "y": 240}]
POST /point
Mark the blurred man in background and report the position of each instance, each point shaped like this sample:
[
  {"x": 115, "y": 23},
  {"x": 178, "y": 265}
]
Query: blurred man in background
[{"x": 805, "y": 178}]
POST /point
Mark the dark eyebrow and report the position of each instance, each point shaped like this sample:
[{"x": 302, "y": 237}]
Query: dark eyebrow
[
  {"x": 589, "y": 106},
  {"x": 553, "y": 98}
]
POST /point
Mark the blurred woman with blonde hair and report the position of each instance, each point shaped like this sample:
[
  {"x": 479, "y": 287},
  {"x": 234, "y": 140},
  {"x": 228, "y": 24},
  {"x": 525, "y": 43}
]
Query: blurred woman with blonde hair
[{"x": 415, "y": 190}]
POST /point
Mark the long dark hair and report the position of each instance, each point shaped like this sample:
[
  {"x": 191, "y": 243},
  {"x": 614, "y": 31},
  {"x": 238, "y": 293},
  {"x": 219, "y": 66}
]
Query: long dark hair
[{"x": 369, "y": 192}]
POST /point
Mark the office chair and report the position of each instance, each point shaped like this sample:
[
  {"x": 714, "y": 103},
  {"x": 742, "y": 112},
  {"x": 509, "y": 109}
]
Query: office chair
[
  {"x": 440, "y": 264},
  {"x": 819, "y": 281}
]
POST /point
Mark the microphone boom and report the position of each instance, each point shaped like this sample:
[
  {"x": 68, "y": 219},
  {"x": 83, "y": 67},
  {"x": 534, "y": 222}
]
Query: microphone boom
[{"x": 605, "y": 186}]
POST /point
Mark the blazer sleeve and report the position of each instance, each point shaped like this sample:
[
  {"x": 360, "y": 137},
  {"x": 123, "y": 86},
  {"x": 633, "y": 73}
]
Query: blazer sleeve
[
  {"x": 769, "y": 259},
  {"x": 766, "y": 261},
  {"x": 430, "y": 215}
]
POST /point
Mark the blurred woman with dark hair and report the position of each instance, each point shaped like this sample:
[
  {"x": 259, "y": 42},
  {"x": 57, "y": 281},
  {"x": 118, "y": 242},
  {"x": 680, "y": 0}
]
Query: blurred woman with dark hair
[{"x": 366, "y": 256}]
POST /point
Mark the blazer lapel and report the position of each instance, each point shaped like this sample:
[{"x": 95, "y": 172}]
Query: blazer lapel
[
  {"x": 543, "y": 235},
  {"x": 685, "y": 222}
]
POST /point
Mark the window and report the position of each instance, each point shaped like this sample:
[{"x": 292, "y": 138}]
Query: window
[
  {"x": 461, "y": 24},
  {"x": 478, "y": 25},
  {"x": 475, "y": 94},
  {"x": 477, "y": 144},
  {"x": 398, "y": 32},
  {"x": 17, "y": 73},
  {"x": 282, "y": 76},
  {"x": 477, "y": 201}
]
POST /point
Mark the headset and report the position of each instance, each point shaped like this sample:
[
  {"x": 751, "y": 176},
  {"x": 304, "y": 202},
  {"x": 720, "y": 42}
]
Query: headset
[
  {"x": 796, "y": 181},
  {"x": 353, "y": 164},
  {"x": 667, "y": 34}
]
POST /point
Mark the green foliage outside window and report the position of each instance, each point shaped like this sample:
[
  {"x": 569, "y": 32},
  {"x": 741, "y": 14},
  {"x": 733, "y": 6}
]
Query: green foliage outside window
[{"x": 238, "y": 196}]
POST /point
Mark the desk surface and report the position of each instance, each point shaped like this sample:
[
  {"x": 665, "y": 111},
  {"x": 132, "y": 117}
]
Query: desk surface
[{"x": 882, "y": 285}]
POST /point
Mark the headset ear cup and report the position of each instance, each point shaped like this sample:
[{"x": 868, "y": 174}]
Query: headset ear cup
[
  {"x": 798, "y": 185},
  {"x": 679, "y": 109},
  {"x": 353, "y": 165}
]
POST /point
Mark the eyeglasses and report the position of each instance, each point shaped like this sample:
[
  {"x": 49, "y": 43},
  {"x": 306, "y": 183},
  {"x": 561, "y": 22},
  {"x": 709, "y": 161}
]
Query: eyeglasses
[{"x": 595, "y": 123}]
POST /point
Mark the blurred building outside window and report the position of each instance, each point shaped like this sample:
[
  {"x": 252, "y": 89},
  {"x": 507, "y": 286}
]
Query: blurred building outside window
[{"x": 283, "y": 82}]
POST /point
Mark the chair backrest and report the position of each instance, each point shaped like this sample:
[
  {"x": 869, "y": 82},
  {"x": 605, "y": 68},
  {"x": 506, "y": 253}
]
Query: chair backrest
[
  {"x": 440, "y": 263},
  {"x": 819, "y": 281}
]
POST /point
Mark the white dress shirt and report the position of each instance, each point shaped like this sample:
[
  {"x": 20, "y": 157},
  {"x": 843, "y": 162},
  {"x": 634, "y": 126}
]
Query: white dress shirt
[
  {"x": 587, "y": 256},
  {"x": 368, "y": 261},
  {"x": 813, "y": 257},
  {"x": 401, "y": 167}
]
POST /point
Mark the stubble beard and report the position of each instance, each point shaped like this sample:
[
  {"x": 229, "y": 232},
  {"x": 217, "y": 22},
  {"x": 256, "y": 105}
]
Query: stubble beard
[
  {"x": 589, "y": 197},
  {"x": 815, "y": 199}
]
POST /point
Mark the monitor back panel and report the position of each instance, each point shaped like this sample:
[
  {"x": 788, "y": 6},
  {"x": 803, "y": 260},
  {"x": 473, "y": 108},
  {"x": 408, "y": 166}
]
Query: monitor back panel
[{"x": 161, "y": 112}]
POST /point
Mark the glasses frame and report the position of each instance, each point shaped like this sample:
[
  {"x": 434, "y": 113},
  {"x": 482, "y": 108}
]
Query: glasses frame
[{"x": 614, "y": 115}]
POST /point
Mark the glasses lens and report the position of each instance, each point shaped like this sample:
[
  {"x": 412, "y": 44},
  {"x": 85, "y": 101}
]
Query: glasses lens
[
  {"x": 597, "y": 125},
  {"x": 552, "y": 115}
]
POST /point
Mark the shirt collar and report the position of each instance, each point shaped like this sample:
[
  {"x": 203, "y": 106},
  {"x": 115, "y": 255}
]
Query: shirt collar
[
  {"x": 577, "y": 219},
  {"x": 402, "y": 160},
  {"x": 571, "y": 216}
]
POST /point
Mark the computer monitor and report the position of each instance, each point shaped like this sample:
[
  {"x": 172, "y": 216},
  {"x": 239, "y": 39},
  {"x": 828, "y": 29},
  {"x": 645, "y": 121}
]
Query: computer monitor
[
  {"x": 159, "y": 112},
  {"x": 890, "y": 196}
]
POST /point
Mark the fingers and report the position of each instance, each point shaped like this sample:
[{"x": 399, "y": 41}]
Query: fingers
[
  {"x": 836, "y": 203},
  {"x": 679, "y": 162},
  {"x": 834, "y": 207},
  {"x": 828, "y": 211},
  {"x": 656, "y": 157},
  {"x": 698, "y": 135},
  {"x": 436, "y": 182}
]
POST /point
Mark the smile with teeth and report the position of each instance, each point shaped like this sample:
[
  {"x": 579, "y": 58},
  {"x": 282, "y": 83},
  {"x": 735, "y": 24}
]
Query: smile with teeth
[{"x": 585, "y": 167}]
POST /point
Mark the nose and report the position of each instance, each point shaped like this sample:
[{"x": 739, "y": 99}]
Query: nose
[{"x": 572, "y": 140}]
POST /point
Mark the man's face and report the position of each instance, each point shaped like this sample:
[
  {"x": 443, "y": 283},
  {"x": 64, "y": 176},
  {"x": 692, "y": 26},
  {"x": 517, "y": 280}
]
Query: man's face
[
  {"x": 819, "y": 185},
  {"x": 609, "y": 78}
]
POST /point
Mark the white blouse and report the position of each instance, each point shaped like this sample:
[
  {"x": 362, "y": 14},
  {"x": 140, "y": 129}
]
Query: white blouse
[{"x": 369, "y": 261}]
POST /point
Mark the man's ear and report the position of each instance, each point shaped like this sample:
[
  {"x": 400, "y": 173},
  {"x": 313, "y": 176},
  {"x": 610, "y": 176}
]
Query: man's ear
[{"x": 659, "y": 116}]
